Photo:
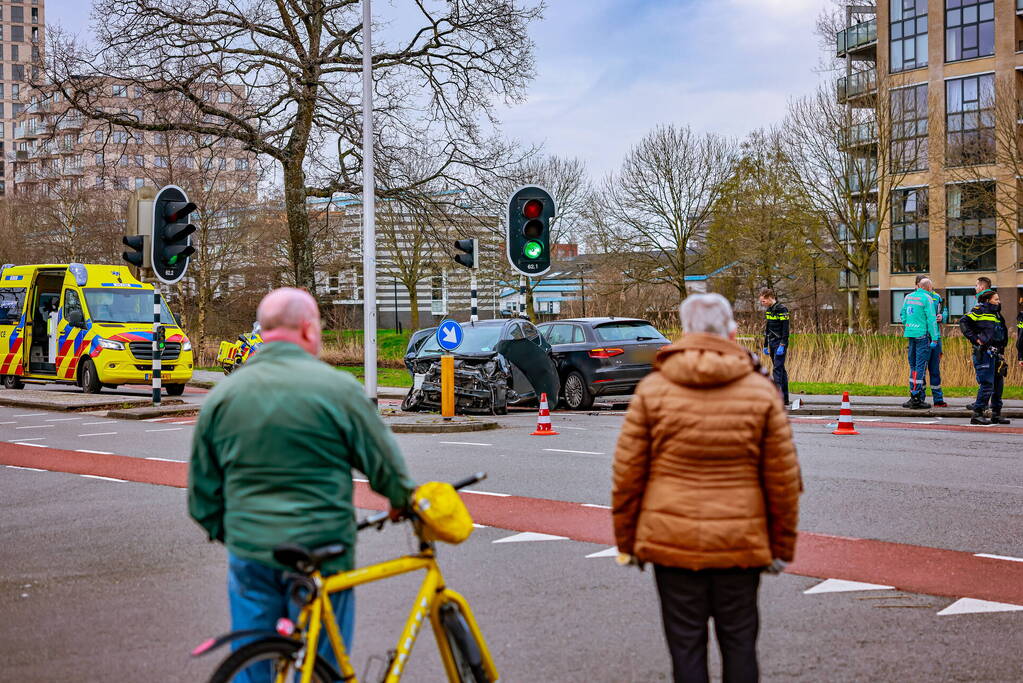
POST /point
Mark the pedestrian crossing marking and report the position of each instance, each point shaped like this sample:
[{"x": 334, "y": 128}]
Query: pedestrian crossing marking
[
  {"x": 975, "y": 606},
  {"x": 843, "y": 586},
  {"x": 527, "y": 536},
  {"x": 610, "y": 552}
]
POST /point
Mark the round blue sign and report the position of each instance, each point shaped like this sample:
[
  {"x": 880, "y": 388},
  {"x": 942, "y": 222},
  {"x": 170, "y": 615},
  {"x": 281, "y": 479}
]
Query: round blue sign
[{"x": 449, "y": 335}]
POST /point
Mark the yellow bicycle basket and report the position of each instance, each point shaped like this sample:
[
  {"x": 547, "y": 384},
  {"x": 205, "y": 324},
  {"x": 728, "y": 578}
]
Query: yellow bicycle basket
[{"x": 444, "y": 515}]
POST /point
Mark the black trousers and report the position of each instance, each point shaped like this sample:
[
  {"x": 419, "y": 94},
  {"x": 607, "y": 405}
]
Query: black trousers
[
  {"x": 779, "y": 374},
  {"x": 688, "y": 599}
]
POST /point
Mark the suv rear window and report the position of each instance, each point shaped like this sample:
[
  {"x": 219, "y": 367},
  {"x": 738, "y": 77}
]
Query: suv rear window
[{"x": 636, "y": 330}]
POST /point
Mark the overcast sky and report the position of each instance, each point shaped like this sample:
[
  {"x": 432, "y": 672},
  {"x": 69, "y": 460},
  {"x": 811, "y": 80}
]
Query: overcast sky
[{"x": 610, "y": 70}]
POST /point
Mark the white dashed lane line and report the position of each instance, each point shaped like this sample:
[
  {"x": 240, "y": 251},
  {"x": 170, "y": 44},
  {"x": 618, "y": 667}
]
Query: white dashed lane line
[
  {"x": 96, "y": 476},
  {"x": 31, "y": 415},
  {"x": 13, "y": 422},
  {"x": 488, "y": 493},
  {"x": 37, "y": 427},
  {"x": 594, "y": 505},
  {"x": 38, "y": 438},
  {"x": 562, "y": 450},
  {"x": 104, "y": 422},
  {"x": 30, "y": 469},
  {"x": 98, "y": 434},
  {"x": 165, "y": 459},
  {"x": 85, "y": 450},
  {"x": 465, "y": 443},
  {"x": 63, "y": 419},
  {"x": 168, "y": 429}
]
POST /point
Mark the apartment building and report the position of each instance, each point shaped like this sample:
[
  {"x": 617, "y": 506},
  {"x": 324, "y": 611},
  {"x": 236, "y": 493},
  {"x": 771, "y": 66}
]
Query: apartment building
[
  {"x": 58, "y": 152},
  {"x": 947, "y": 77},
  {"x": 21, "y": 39}
]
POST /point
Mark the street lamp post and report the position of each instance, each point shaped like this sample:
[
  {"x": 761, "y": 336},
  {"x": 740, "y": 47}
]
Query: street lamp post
[{"x": 369, "y": 240}]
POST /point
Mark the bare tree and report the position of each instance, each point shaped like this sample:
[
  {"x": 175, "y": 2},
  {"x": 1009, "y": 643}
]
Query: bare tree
[
  {"x": 296, "y": 67},
  {"x": 843, "y": 165},
  {"x": 658, "y": 207}
]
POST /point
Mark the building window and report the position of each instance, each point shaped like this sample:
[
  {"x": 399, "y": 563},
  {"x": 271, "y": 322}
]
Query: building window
[
  {"x": 98, "y": 136},
  {"x": 14, "y": 53},
  {"x": 140, "y": 161},
  {"x": 159, "y": 138},
  {"x": 140, "y": 183},
  {"x": 17, "y": 34},
  {"x": 970, "y": 120},
  {"x": 160, "y": 162},
  {"x": 971, "y": 226},
  {"x": 908, "y": 34},
  {"x": 909, "y": 128},
  {"x": 119, "y": 136},
  {"x": 910, "y": 231},
  {"x": 958, "y": 303},
  {"x": 969, "y": 29},
  {"x": 99, "y": 159},
  {"x": 121, "y": 183},
  {"x": 224, "y": 97},
  {"x": 17, "y": 72},
  {"x": 898, "y": 296},
  {"x": 18, "y": 15},
  {"x": 241, "y": 164},
  {"x": 120, "y": 91}
]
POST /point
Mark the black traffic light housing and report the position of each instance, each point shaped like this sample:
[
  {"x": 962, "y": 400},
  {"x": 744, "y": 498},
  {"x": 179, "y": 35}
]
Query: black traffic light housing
[
  {"x": 172, "y": 234},
  {"x": 471, "y": 257},
  {"x": 137, "y": 245},
  {"x": 530, "y": 212}
]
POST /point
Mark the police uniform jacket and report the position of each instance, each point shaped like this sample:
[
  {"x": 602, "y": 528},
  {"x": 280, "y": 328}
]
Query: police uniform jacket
[
  {"x": 985, "y": 327},
  {"x": 776, "y": 329}
]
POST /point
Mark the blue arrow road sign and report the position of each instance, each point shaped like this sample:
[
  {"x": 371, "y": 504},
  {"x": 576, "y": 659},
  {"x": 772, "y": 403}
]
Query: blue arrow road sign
[{"x": 449, "y": 335}]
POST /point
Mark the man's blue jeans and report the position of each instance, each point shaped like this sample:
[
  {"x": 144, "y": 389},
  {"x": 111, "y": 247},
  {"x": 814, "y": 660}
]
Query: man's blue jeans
[
  {"x": 259, "y": 597},
  {"x": 934, "y": 374},
  {"x": 919, "y": 356},
  {"x": 989, "y": 382}
]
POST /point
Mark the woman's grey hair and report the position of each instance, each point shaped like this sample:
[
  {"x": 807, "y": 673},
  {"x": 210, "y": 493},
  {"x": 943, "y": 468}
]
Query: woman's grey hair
[{"x": 707, "y": 313}]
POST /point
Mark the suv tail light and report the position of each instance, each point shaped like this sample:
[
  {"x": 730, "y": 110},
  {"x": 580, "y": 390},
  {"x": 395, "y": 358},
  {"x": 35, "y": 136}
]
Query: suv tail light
[{"x": 605, "y": 353}]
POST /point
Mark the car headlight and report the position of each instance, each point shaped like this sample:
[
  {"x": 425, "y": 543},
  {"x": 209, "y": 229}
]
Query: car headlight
[
  {"x": 187, "y": 346},
  {"x": 111, "y": 344}
]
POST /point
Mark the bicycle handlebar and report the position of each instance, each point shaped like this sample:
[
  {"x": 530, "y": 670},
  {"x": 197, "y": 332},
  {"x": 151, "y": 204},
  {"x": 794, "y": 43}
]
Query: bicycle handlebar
[{"x": 378, "y": 519}]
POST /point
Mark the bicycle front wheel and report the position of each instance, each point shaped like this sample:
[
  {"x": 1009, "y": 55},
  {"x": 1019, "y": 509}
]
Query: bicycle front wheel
[
  {"x": 464, "y": 649},
  {"x": 267, "y": 661}
]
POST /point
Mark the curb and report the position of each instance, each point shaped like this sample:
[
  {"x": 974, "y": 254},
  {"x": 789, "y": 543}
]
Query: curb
[
  {"x": 875, "y": 411},
  {"x": 57, "y": 406},
  {"x": 144, "y": 413},
  {"x": 428, "y": 426}
]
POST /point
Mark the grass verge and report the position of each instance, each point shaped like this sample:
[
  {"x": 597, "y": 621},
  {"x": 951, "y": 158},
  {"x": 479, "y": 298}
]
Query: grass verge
[
  {"x": 834, "y": 388},
  {"x": 386, "y": 377}
]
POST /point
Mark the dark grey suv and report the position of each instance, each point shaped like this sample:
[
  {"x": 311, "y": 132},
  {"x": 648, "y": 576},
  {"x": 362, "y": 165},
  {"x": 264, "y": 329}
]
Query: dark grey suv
[{"x": 601, "y": 356}]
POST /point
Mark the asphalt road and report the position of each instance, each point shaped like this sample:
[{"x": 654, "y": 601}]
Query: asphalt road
[{"x": 109, "y": 580}]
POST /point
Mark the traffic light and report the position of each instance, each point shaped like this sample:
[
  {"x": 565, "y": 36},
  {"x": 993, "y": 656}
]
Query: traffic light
[
  {"x": 172, "y": 234},
  {"x": 139, "y": 228},
  {"x": 471, "y": 257},
  {"x": 530, "y": 211}
]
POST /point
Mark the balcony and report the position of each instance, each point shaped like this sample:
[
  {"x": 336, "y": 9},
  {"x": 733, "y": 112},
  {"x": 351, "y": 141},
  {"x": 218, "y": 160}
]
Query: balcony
[
  {"x": 860, "y": 135},
  {"x": 71, "y": 123},
  {"x": 859, "y": 38},
  {"x": 861, "y": 86},
  {"x": 27, "y": 131},
  {"x": 1019, "y": 6},
  {"x": 74, "y": 170}
]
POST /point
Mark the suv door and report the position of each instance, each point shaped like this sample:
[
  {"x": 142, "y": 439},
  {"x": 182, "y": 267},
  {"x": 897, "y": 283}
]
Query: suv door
[{"x": 529, "y": 353}]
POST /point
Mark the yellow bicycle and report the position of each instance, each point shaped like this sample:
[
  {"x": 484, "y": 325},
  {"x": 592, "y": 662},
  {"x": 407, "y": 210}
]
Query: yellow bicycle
[{"x": 289, "y": 655}]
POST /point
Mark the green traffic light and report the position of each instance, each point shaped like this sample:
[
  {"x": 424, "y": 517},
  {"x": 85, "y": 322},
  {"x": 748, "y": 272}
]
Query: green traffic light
[
  {"x": 173, "y": 259},
  {"x": 533, "y": 250}
]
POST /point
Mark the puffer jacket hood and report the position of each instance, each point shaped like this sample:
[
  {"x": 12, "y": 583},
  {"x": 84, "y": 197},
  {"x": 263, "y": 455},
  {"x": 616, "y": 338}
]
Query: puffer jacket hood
[{"x": 704, "y": 360}]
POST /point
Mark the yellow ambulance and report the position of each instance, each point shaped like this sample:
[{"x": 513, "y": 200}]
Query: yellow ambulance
[{"x": 89, "y": 325}]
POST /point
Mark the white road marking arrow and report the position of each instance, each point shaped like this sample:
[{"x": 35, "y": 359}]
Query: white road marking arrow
[
  {"x": 843, "y": 586},
  {"x": 974, "y": 606}
]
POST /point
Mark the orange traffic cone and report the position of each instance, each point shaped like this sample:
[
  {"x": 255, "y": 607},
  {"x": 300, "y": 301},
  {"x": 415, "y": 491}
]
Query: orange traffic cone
[
  {"x": 543, "y": 421},
  {"x": 845, "y": 421}
]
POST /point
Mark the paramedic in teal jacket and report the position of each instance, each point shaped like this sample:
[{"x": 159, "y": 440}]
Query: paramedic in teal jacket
[{"x": 920, "y": 321}]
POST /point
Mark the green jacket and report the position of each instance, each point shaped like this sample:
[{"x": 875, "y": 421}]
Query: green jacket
[
  {"x": 919, "y": 316},
  {"x": 273, "y": 453}
]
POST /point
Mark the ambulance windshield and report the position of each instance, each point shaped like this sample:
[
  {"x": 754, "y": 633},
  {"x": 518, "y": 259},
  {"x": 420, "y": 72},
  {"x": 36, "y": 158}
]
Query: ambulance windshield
[{"x": 115, "y": 305}]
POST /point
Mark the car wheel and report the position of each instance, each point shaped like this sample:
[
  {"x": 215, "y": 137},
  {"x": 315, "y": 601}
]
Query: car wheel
[
  {"x": 175, "y": 389},
  {"x": 90, "y": 378},
  {"x": 575, "y": 394},
  {"x": 12, "y": 382}
]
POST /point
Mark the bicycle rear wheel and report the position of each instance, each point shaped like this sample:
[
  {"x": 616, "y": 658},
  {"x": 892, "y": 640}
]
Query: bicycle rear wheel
[
  {"x": 464, "y": 648},
  {"x": 267, "y": 661}
]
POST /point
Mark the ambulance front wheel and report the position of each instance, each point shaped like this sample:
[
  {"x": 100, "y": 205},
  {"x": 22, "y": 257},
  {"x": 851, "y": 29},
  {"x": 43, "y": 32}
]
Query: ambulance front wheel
[
  {"x": 90, "y": 378},
  {"x": 175, "y": 389},
  {"x": 12, "y": 382}
]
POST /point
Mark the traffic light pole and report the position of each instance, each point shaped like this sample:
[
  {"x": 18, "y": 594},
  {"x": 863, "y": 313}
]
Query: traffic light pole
[
  {"x": 474, "y": 302},
  {"x": 369, "y": 255},
  {"x": 522, "y": 296},
  {"x": 157, "y": 351}
]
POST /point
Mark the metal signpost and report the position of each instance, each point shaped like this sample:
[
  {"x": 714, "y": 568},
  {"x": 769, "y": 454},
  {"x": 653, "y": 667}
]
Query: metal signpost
[{"x": 449, "y": 337}]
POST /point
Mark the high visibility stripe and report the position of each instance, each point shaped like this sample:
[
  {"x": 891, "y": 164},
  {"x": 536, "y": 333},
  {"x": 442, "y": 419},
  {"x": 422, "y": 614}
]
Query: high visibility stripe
[
  {"x": 782, "y": 316},
  {"x": 986, "y": 317}
]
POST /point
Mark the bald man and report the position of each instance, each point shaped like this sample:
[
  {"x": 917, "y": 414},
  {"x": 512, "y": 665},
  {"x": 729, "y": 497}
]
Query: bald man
[{"x": 272, "y": 462}]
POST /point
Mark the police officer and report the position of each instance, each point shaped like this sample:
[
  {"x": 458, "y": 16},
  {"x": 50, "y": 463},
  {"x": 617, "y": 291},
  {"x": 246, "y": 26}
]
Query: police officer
[
  {"x": 933, "y": 374},
  {"x": 985, "y": 328},
  {"x": 776, "y": 339}
]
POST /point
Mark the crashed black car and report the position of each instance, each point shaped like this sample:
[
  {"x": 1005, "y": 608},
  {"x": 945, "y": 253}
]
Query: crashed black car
[{"x": 500, "y": 363}]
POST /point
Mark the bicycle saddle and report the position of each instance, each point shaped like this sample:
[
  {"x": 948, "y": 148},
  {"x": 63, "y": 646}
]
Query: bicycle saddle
[{"x": 304, "y": 560}]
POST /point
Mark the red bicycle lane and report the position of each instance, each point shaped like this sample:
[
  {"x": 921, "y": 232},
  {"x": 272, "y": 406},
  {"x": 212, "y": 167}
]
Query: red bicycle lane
[{"x": 911, "y": 568}]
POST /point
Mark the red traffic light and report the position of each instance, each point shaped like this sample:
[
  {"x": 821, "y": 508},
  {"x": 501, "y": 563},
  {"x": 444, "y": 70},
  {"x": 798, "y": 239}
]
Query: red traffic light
[{"x": 532, "y": 209}]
